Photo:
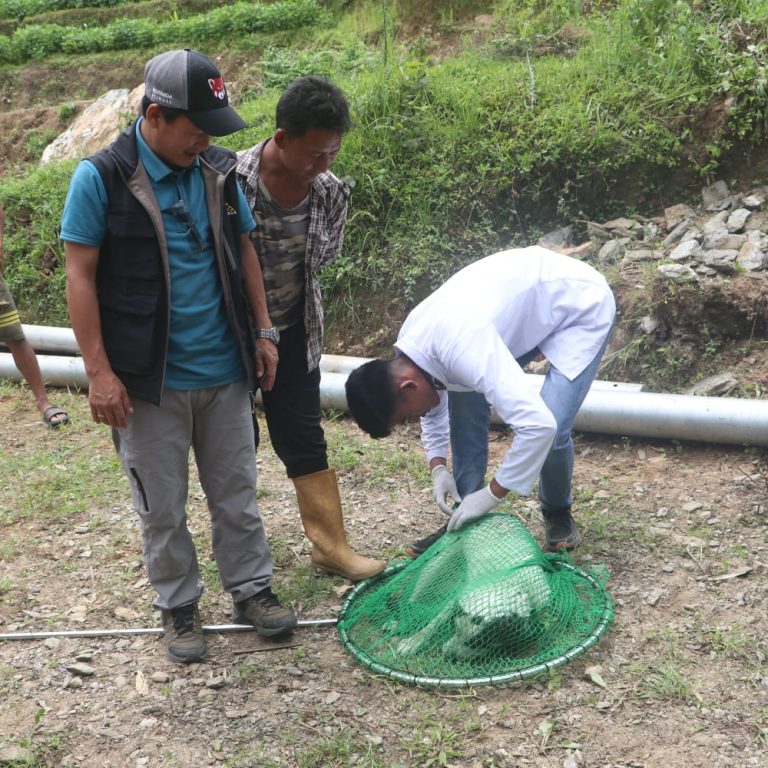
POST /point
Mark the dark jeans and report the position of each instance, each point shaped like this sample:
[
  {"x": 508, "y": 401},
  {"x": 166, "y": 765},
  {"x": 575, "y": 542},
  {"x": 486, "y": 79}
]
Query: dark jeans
[{"x": 292, "y": 408}]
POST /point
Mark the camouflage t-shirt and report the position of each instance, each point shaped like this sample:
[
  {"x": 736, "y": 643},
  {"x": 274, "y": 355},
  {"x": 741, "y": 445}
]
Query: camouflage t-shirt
[
  {"x": 280, "y": 240},
  {"x": 328, "y": 203}
]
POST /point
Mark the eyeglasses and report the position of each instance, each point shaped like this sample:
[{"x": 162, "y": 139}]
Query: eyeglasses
[{"x": 180, "y": 212}]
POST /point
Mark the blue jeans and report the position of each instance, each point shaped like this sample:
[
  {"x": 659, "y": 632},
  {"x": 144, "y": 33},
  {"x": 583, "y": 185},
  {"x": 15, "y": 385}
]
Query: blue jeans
[{"x": 469, "y": 416}]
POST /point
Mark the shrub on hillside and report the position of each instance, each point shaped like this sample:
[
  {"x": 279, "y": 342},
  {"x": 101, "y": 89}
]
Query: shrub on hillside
[
  {"x": 33, "y": 254},
  {"x": 100, "y": 17},
  {"x": 241, "y": 19},
  {"x": 20, "y": 9}
]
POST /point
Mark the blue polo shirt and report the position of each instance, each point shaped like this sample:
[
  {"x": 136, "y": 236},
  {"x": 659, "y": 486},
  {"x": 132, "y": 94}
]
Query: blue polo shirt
[{"x": 202, "y": 351}]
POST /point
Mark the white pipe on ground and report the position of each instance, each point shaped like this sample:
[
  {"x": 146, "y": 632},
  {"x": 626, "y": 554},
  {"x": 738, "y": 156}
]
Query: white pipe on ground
[
  {"x": 610, "y": 407},
  {"x": 56, "y": 370},
  {"x": 50, "y": 338},
  {"x": 613, "y": 410}
]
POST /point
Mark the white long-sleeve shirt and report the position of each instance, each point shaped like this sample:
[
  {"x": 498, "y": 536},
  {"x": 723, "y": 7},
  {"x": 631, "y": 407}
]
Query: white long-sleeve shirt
[{"x": 468, "y": 333}]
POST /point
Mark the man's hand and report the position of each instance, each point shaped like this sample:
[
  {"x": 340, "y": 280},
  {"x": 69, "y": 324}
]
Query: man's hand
[
  {"x": 266, "y": 363},
  {"x": 444, "y": 485},
  {"x": 109, "y": 400},
  {"x": 475, "y": 505}
]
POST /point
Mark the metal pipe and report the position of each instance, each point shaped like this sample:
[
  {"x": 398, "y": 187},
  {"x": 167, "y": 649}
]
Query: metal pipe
[
  {"x": 685, "y": 417},
  {"x": 56, "y": 370},
  {"x": 213, "y": 629},
  {"x": 610, "y": 407},
  {"x": 50, "y": 338}
]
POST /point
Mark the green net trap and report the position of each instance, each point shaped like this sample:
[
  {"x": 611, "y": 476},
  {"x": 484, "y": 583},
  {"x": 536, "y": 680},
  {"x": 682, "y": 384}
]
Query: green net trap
[{"x": 483, "y": 605}]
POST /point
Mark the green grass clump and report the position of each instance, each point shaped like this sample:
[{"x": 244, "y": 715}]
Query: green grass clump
[
  {"x": 39, "y": 41},
  {"x": 20, "y": 9}
]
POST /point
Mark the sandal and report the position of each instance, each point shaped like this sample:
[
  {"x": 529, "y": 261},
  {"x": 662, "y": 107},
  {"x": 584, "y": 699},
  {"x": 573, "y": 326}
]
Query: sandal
[{"x": 54, "y": 417}]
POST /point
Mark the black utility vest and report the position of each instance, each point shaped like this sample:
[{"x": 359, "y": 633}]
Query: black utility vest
[{"x": 133, "y": 274}]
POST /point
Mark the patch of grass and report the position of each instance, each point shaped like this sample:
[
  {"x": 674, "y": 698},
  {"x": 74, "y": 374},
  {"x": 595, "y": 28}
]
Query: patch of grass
[
  {"x": 663, "y": 676},
  {"x": 209, "y": 571},
  {"x": 7, "y": 683},
  {"x": 8, "y": 548},
  {"x": 282, "y": 554},
  {"x": 375, "y": 462},
  {"x": 67, "y": 111},
  {"x": 248, "y": 674},
  {"x": 251, "y": 757},
  {"x": 665, "y": 681},
  {"x": 43, "y": 749},
  {"x": 730, "y": 642},
  {"x": 433, "y": 743},
  {"x": 340, "y": 751},
  {"x": 760, "y": 728},
  {"x": 57, "y": 481},
  {"x": 615, "y": 525},
  {"x": 305, "y": 586}
]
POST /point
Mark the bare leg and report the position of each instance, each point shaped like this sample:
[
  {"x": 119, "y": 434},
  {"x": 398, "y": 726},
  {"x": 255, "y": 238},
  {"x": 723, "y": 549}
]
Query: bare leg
[{"x": 26, "y": 361}]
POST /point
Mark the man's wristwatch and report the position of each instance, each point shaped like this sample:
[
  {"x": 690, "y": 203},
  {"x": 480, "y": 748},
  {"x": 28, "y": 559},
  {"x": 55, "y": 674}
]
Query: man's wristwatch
[{"x": 268, "y": 333}]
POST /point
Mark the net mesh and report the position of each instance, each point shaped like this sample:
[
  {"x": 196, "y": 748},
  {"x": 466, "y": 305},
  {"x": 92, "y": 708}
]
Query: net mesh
[{"x": 482, "y": 605}]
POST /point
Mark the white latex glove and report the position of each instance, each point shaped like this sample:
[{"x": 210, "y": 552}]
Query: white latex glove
[
  {"x": 444, "y": 485},
  {"x": 475, "y": 505}
]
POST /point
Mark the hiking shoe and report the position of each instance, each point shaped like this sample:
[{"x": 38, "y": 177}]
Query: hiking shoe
[
  {"x": 183, "y": 634},
  {"x": 422, "y": 545},
  {"x": 264, "y": 611},
  {"x": 560, "y": 531}
]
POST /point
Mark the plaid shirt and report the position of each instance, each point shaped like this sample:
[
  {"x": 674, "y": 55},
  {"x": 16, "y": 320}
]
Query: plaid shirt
[{"x": 328, "y": 199}]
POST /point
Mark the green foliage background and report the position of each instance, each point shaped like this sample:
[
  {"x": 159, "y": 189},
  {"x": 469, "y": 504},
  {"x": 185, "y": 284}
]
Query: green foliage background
[{"x": 562, "y": 111}]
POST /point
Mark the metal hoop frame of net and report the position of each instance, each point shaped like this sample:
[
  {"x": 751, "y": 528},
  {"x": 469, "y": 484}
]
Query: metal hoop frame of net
[{"x": 482, "y": 606}]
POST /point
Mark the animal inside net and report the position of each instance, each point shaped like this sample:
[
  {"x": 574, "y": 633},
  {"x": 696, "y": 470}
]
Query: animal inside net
[{"x": 483, "y": 601}]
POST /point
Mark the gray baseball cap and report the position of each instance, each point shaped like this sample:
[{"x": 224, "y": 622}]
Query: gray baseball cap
[{"x": 190, "y": 81}]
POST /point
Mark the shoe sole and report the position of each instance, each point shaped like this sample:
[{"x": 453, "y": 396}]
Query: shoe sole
[
  {"x": 566, "y": 544},
  {"x": 186, "y": 660},
  {"x": 412, "y": 553},
  {"x": 264, "y": 631},
  {"x": 422, "y": 545}
]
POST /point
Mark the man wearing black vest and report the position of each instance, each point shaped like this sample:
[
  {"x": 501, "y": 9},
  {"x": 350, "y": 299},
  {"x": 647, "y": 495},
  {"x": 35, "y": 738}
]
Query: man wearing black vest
[{"x": 161, "y": 278}]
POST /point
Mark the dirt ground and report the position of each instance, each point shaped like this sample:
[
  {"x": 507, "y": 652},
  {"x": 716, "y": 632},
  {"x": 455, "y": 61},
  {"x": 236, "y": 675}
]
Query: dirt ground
[{"x": 679, "y": 681}]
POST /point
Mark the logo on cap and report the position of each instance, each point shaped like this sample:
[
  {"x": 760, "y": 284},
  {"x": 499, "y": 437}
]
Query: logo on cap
[{"x": 216, "y": 85}]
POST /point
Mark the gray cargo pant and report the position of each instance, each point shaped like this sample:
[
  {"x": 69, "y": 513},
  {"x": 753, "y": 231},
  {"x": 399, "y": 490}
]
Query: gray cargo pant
[{"x": 154, "y": 452}]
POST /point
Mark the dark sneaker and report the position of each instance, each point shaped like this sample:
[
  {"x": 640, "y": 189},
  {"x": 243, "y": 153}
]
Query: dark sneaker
[
  {"x": 422, "y": 545},
  {"x": 264, "y": 611},
  {"x": 560, "y": 531},
  {"x": 183, "y": 634}
]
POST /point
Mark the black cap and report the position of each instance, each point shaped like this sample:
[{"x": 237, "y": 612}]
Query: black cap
[{"x": 189, "y": 81}]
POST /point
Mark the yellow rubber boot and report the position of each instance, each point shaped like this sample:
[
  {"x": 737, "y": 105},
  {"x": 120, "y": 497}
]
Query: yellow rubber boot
[{"x": 321, "y": 515}]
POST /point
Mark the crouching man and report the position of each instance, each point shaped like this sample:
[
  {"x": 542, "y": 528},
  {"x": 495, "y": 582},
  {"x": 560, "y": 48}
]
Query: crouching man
[{"x": 462, "y": 351}]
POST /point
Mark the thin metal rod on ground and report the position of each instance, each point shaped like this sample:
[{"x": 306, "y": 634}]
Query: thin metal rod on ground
[
  {"x": 213, "y": 629},
  {"x": 266, "y": 648}
]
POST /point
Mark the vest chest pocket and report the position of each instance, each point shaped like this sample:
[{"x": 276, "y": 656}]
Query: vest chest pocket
[
  {"x": 132, "y": 250},
  {"x": 130, "y": 327}
]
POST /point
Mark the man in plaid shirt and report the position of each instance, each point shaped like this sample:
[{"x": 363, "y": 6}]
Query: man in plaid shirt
[{"x": 300, "y": 209}]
